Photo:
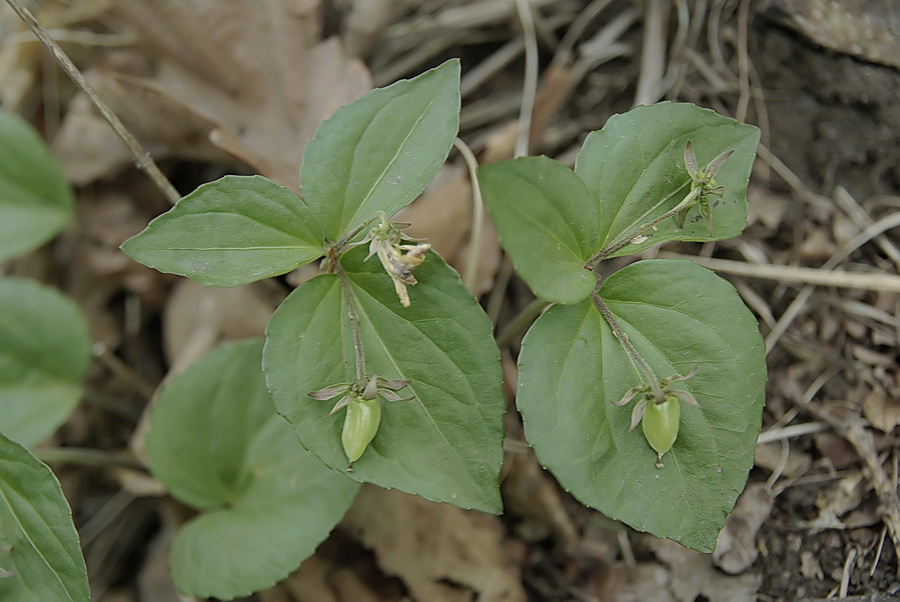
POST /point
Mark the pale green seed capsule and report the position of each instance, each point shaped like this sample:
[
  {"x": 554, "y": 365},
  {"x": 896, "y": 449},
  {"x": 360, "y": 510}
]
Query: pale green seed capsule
[
  {"x": 660, "y": 424},
  {"x": 360, "y": 426}
]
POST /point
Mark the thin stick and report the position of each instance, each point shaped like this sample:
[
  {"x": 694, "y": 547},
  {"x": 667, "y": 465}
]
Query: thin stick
[
  {"x": 470, "y": 272},
  {"x": 793, "y": 310},
  {"x": 529, "y": 90},
  {"x": 743, "y": 61},
  {"x": 564, "y": 51},
  {"x": 144, "y": 162},
  {"x": 787, "y": 273},
  {"x": 653, "y": 52}
]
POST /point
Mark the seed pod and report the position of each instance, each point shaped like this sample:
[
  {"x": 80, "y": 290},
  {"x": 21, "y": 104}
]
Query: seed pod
[
  {"x": 360, "y": 426},
  {"x": 660, "y": 425}
]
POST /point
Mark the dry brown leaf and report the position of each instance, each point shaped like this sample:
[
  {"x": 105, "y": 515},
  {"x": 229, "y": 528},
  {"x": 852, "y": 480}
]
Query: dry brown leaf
[
  {"x": 197, "y": 318},
  {"x": 839, "y": 453},
  {"x": 693, "y": 575},
  {"x": 269, "y": 92},
  {"x": 644, "y": 582},
  {"x": 765, "y": 208},
  {"x": 736, "y": 547},
  {"x": 252, "y": 78},
  {"x": 842, "y": 496},
  {"x": 99, "y": 270},
  {"x": 440, "y": 551},
  {"x": 882, "y": 411},
  {"x": 86, "y": 146},
  {"x": 531, "y": 493},
  {"x": 769, "y": 456},
  {"x": 365, "y": 21},
  {"x": 817, "y": 246}
]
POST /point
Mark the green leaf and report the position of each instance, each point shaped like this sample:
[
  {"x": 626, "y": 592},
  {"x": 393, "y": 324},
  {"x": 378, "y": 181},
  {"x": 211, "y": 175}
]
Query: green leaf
[
  {"x": 235, "y": 230},
  {"x": 546, "y": 222},
  {"x": 217, "y": 444},
  {"x": 381, "y": 151},
  {"x": 678, "y": 316},
  {"x": 446, "y": 445},
  {"x": 634, "y": 168},
  {"x": 45, "y": 351},
  {"x": 37, "y": 522},
  {"x": 35, "y": 199}
]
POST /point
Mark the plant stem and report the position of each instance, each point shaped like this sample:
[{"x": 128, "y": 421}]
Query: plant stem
[
  {"x": 87, "y": 457},
  {"x": 144, "y": 162},
  {"x": 342, "y": 242},
  {"x": 521, "y": 321},
  {"x": 470, "y": 273},
  {"x": 603, "y": 254},
  {"x": 639, "y": 362},
  {"x": 358, "y": 351},
  {"x": 531, "y": 78}
]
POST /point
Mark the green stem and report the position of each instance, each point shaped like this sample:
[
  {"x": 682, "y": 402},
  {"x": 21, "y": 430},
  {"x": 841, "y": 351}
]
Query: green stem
[
  {"x": 639, "y": 362},
  {"x": 339, "y": 246},
  {"x": 358, "y": 351},
  {"x": 603, "y": 254},
  {"x": 86, "y": 457},
  {"x": 521, "y": 321}
]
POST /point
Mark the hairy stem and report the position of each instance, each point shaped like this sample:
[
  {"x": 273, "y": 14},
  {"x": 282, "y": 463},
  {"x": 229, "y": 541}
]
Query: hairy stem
[
  {"x": 639, "y": 362},
  {"x": 625, "y": 240},
  {"x": 343, "y": 242},
  {"x": 358, "y": 351}
]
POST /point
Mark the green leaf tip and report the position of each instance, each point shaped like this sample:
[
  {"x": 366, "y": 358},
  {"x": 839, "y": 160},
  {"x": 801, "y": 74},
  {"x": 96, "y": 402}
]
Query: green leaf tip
[
  {"x": 379, "y": 152},
  {"x": 235, "y": 230}
]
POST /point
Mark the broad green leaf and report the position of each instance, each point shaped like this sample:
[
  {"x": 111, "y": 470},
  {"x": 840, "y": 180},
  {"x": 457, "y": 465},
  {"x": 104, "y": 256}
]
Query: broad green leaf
[
  {"x": 381, "y": 151},
  {"x": 35, "y": 199},
  {"x": 45, "y": 351},
  {"x": 35, "y": 520},
  {"x": 235, "y": 230},
  {"x": 678, "y": 316},
  {"x": 217, "y": 444},
  {"x": 546, "y": 222},
  {"x": 634, "y": 168},
  {"x": 446, "y": 445}
]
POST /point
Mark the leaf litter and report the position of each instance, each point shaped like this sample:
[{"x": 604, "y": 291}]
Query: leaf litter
[{"x": 213, "y": 88}]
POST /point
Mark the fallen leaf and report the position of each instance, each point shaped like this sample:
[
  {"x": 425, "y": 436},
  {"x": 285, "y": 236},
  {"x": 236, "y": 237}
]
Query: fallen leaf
[
  {"x": 882, "y": 411},
  {"x": 198, "y": 318},
  {"x": 693, "y": 576},
  {"x": 644, "y": 582},
  {"x": 770, "y": 457},
  {"x": 736, "y": 547},
  {"x": 440, "y": 551},
  {"x": 268, "y": 93},
  {"x": 252, "y": 78}
]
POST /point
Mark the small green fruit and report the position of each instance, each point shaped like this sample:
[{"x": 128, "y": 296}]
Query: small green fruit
[
  {"x": 660, "y": 424},
  {"x": 360, "y": 426}
]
